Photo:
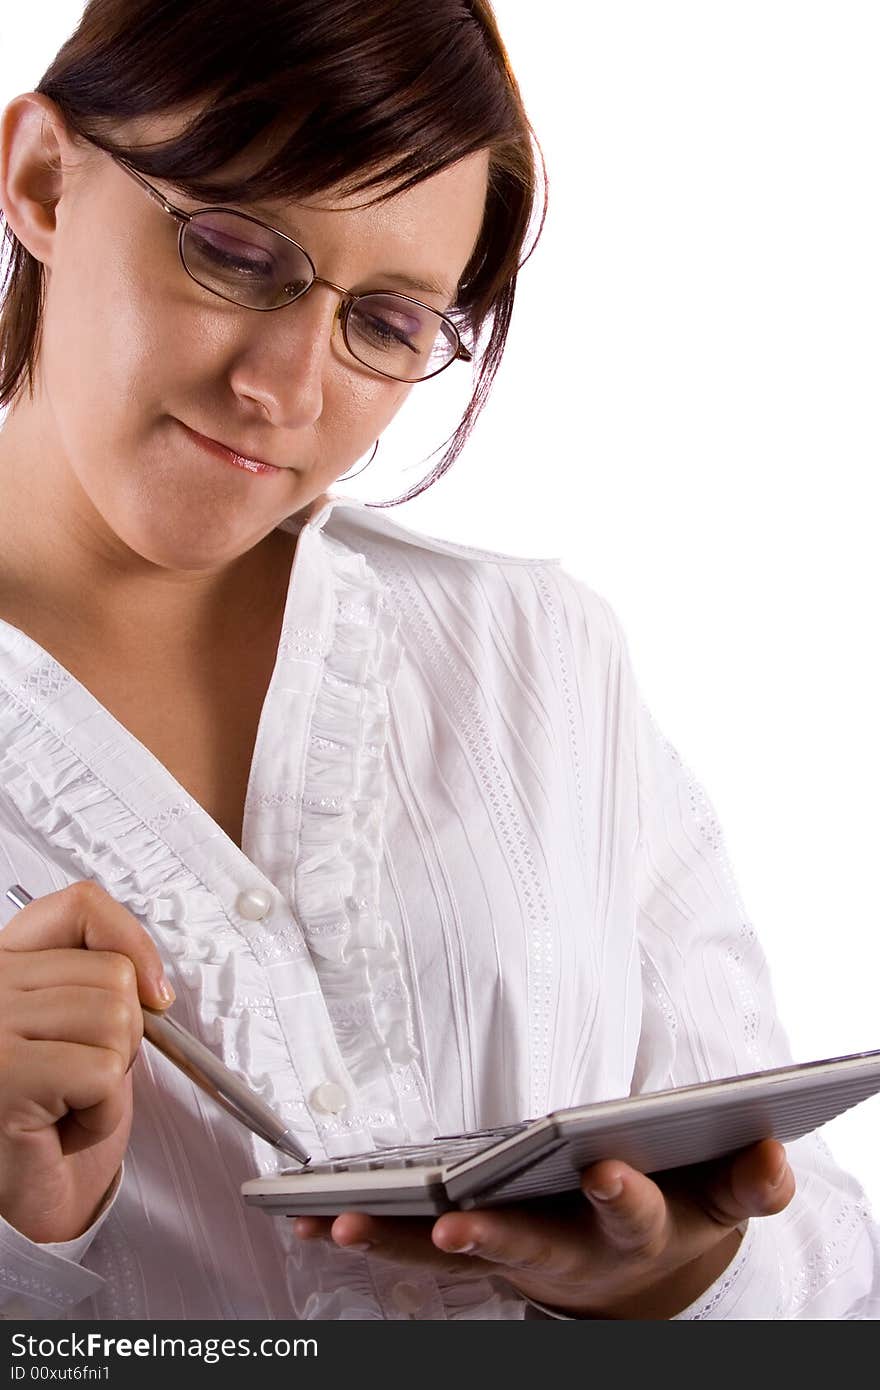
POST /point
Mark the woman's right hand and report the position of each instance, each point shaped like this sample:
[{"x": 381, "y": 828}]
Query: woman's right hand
[{"x": 75, "y": 968}]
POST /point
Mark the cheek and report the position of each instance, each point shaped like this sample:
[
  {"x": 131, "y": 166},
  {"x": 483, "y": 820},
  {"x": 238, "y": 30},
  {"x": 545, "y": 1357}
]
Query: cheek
[
  {"x": 357, "y": 410},
  {"x": 355, "y": 413},
  {"x": 375, "y": 403},
  {"x": 104, "y": 340}
]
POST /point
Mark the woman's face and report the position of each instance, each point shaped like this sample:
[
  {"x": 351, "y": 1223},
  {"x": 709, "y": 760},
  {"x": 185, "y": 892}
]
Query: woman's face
[{"x": 133, "y": 351}]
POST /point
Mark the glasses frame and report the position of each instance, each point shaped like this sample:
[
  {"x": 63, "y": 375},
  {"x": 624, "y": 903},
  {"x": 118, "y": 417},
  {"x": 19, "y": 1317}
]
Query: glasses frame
[{"x": 349, "y": 299}]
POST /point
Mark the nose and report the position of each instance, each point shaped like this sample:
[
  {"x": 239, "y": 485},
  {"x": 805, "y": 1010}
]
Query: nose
[{"x": 288, "y": 356}]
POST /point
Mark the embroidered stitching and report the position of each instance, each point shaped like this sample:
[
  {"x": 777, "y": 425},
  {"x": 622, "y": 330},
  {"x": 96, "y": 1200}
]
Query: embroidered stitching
[
  {"x": 460, "y": 700},
  {"x": 817, "y": 1272},
  {"x": 300, "y": 642},
  {"x": 565, "y": 685},
  {"x": 46, "y": 681}
]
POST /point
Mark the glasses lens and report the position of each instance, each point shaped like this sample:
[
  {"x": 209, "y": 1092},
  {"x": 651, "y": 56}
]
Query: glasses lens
[
  {"x": 397, "y": 336},
  {"x": 252, "y": 265},
  {"x": 244, "y": 262}
]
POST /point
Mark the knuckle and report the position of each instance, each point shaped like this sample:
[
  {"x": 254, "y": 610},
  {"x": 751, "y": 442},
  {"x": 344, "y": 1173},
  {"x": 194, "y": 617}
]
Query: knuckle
[
  {"x": 118, "y": 1018},
  {"x": 649, "y": 1245},
  {"x": 87, "y": 895},
  {"x": 111, "y": 1068},
  {"x": 121, "y": 972},
  {"x": 543, "y": 1258},
  {"x": 720, "y": 1212},
  {"x": 642, "y": 1237}
]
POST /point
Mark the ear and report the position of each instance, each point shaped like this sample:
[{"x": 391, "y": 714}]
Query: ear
[{"x": 36, "y": 158}]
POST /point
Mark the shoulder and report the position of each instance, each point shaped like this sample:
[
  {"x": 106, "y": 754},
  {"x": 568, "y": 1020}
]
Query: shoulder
[
  {"x": 534, "y": 602},
  {"x": 356, "y": 522}
]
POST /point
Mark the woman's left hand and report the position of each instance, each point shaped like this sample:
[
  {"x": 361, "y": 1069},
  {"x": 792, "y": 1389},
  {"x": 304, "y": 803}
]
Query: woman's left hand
[{"x": 626, "y": 1246}]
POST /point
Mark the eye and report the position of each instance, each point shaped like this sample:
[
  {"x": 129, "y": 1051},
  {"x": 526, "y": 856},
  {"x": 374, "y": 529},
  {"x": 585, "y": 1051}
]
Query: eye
[
  {"x": 218, "y": 243},
  {"x": 390, "y": 323},
  {"x": 382, "y": 330}
]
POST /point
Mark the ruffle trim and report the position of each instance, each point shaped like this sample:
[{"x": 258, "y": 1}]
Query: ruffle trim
[
  {"x": 89, "y": 827},
  {"x": 337, "y": 878}
]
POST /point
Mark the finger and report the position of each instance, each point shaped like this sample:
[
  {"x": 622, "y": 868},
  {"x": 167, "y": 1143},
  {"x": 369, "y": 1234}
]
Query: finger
[
  {"x": 530, "y": 1238},
  {"x": 312, "y": 1227},
  {"x": 83, "y": 1129},
  {"x": 83, "y": 915},
  {"x": 57, "y": 966},
  {"x": 629, "y": 1209},
  {"x": 404, "y": 1239},
  {"x": 356, "y": 1228},
  {"x": 92, "y": 1075},
  {"x": 78, "y": 1014},
  {"x": 755, "y": 1182}
]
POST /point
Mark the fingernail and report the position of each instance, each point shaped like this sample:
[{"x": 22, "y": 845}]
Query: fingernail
[
  {"x": 777, "y": 1180},
  {"x": 444, "y": 1242},
  {"x": 357, "y": 1245},
  {"x": 607, "y": 1192},
  {"x": 166, "y": 993}
]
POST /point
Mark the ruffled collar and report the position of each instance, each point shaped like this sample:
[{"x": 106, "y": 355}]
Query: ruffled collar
[{"x": 326, "y": 510}]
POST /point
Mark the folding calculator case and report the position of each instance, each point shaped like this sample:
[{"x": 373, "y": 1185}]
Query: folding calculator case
[{"x": 537, "y": 1158}]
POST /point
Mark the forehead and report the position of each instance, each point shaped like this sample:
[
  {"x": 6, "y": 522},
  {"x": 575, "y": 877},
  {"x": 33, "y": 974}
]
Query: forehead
[{"x": 444, "y": 211}]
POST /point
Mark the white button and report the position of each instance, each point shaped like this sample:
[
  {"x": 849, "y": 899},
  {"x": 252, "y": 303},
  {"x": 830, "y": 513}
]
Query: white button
[
  {"x": 329, "y": 1097},
  {"x": 253, "y": 904},
  {"x": 408, "y": 1298}
]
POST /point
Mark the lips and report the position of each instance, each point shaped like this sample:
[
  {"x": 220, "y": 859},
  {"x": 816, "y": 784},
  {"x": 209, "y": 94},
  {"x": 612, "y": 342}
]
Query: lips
[{"x": 232, "y": 454}]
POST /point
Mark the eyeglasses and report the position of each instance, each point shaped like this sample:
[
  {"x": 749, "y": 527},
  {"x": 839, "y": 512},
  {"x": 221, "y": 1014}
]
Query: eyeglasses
[{"x": 243, "y": 260}]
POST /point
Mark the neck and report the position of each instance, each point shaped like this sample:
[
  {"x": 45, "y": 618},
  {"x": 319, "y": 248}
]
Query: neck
[{"x": 65, "y": 575}]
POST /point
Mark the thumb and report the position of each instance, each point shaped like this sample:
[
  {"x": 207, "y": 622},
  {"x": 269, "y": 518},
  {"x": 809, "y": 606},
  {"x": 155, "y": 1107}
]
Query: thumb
[{"x": 757, "y": 1181}]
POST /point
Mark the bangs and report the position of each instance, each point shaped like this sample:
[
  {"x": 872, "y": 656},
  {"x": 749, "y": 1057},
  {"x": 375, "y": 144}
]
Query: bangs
[{"x": 317, "y": 96}]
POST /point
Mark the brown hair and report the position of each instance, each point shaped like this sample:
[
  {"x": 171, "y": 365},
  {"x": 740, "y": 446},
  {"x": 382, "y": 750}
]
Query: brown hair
[{"x": 362, "y": 94}]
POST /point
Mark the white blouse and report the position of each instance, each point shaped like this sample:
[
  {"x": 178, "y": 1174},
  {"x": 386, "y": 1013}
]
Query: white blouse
[{"x": 476, "y": 884}]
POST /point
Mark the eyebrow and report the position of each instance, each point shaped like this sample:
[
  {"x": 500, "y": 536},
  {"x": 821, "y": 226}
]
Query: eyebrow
[
  {"x": 418, "y": 284},
  {"x": 412, "y": 282}
]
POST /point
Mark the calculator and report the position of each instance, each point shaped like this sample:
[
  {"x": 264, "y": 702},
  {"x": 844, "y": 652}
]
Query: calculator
[{"x": 529, "y": 1159}]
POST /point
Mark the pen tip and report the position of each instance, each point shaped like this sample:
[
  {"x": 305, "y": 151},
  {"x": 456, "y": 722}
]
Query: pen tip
[{"x": 289, "y": 1145}]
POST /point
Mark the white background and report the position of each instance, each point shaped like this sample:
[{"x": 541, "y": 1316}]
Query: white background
[{"x": 687, "y": 416}]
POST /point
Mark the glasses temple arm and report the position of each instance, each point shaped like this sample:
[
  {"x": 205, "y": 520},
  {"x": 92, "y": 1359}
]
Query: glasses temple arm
[{"x": 153, "y": 192}]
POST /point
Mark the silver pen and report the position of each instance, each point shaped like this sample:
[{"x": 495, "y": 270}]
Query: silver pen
[{"x": 198, "y": 1063}]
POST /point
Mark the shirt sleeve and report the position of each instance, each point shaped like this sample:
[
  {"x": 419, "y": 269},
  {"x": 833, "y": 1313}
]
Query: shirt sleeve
[
  {"x": 47, "y": 1281},
  {"x": 709, "y": 1011}
]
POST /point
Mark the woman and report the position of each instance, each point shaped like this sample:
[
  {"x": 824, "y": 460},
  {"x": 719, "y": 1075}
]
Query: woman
[{"x": 386, "y": 812}]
